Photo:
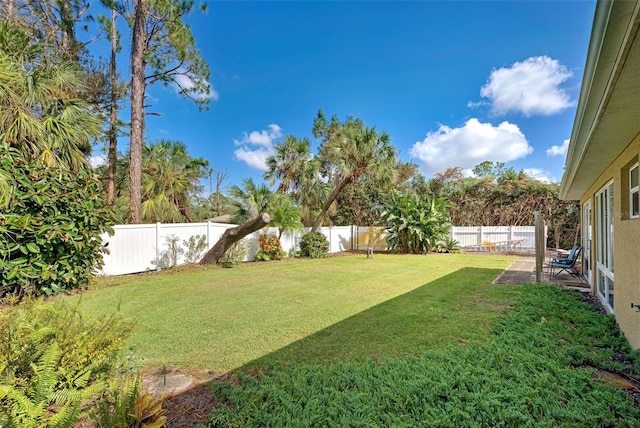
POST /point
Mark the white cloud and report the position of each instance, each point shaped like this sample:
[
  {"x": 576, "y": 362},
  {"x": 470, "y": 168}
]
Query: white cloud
[
  {"x": 184, "y": 82},
  {"x": 98, "y": 160},
  {"x": 253, "y": 156},
  {"x": 531, "y": 87},
  {"x": 467, "y": 146},
  {"x": 558, "y": 150},
  {"x": 540, "y": 174}
]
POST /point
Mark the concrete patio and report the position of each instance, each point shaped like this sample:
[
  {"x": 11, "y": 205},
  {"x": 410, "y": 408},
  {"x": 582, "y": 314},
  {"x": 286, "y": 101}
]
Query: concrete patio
[{"x": 523, "y": 271}]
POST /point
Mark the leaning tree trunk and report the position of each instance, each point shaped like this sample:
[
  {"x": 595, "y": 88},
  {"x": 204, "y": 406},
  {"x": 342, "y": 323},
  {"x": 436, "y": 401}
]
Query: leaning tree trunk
[
  {"x": 231, "y": 236},
  {"x": 332, "y": 197}
]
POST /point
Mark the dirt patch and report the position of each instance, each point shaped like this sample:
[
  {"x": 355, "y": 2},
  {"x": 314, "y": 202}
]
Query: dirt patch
[
  {"x": 186, "y": 397},
  {"x": 189, "y": 408}
]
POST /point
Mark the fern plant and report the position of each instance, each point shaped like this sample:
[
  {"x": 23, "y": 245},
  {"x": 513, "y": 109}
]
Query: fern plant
[
  {"x": 45, "y": 402},
  {"x": 52, "y": 361},
  {"x": 128, "y": 406}
]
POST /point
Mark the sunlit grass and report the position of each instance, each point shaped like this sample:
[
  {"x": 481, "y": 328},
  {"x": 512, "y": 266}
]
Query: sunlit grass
[{"x": 337, "y": 309}]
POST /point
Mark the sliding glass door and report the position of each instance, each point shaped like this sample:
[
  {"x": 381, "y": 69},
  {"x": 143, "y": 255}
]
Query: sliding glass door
[
  {"x": 587, "y": 230},
  {"x": 604, "y": 245}
]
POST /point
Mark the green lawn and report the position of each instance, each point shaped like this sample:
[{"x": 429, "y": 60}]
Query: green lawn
[{"x": 337, "y": 309}]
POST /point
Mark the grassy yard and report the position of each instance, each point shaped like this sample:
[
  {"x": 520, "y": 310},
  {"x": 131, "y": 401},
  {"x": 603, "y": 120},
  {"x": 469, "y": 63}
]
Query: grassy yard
[
  {"x": 394, "y": 341},
  {"x": 338, "y": 309}
]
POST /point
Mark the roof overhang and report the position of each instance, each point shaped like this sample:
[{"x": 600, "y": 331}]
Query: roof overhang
[{"x": 608, "y": 112}]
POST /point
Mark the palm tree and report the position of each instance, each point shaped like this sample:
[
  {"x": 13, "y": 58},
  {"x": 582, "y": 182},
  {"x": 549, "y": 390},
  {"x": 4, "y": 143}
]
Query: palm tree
[
  {"x": 169, "y": 177},
  {"x": 40, "y": 112},
  {"x": 349, "y": 151},
  {"x": 249, "y": 201},
  {"x": 285, "y": 215},
  {"x": 289, "y": 163}
]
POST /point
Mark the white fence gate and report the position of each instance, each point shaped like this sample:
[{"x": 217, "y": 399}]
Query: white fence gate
[{"x": 134, "y": 248}]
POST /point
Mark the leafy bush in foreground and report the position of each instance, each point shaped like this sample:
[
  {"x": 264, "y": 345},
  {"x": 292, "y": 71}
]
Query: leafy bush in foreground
[
  {"x": 526, "y": 375},
  {"x": 53, "y": 361},
  {"x": 314, "y": 245},
  {"x": 50, "y": 226}
]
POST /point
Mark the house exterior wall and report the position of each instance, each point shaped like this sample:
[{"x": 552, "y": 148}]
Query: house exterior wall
[{"x": 626, "y": 242}]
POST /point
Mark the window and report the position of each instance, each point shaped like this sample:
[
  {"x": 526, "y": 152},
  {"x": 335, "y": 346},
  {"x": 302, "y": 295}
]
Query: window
[
  {"x": 604, "y": 247},
  {"x": 634, "y": 194}
]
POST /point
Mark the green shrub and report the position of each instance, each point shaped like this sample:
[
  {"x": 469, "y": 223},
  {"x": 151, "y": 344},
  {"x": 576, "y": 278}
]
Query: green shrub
[
  {"x": 50, "y": 226},
  {"x": 314, "y": 245},
  {"x": 53, "y": 362},
  {"x": 270, "y": 248},
  {"x": 235, "y": 254}
]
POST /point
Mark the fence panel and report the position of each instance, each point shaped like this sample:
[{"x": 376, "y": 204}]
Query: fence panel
[
  {"x": 512, "y": 238},
  {"x": 134, "y": 248}
]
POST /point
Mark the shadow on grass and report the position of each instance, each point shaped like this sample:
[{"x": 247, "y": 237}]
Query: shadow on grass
[{"x": 456, "y": 308}]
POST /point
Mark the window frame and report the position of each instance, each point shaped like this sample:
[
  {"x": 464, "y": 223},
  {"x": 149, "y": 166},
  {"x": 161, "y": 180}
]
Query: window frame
[{"x": 634, "y": 190}]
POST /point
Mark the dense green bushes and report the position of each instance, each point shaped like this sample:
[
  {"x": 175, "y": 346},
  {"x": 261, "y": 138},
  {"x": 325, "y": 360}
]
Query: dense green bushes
[
  {"x": 531, "y": 373},
  {"x": 416, "y": 225},
  {"x": 314, "y": 245},
  {"x": 50, "y": 226}
]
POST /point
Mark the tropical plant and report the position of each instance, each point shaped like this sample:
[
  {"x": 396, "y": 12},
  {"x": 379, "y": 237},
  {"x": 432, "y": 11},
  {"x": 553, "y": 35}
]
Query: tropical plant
[
  {"x": 314, "y": 245},
  {"x": 290, "y": 164},
  {"x": 40, "y": 112},
  {"x": 249, "y": 201},
  {"x": 348, "y": 152},
  {"x": 285, "y": 215},
  {"x": 169, "y": 177},
  {"x": 53, "y": 362},
  {"x": 270, "y": 248},
  {"x": 50, "y": 226},
  {"x": 127, "y": 405},
  {"x": 415, "y": 225}
]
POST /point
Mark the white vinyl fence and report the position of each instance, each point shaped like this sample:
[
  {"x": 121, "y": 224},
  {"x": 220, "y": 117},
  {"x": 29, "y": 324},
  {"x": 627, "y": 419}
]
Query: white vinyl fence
[
  {"x": 136, "y": 248},
  {"x": 500, "y": 238}
]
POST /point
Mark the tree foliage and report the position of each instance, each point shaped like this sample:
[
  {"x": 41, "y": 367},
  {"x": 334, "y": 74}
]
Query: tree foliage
[
  {"x": 41, "y": 113},
  {"x": 50, "y": 226},
  {"x": 350, "y": 151},
  {"x": 499, "y": 196}
]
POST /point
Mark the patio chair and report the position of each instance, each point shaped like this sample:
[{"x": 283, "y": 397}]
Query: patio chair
[
  {"x": 569, "y": 257},
  {"x": 567, "y": 265}
]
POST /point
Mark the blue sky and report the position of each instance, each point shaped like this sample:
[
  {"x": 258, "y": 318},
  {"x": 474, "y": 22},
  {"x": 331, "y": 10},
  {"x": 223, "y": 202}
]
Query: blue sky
[{"x": 454, "y": 83}]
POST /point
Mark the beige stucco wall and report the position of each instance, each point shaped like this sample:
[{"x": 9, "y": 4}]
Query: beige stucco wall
[{"x": 626, "y": 244}]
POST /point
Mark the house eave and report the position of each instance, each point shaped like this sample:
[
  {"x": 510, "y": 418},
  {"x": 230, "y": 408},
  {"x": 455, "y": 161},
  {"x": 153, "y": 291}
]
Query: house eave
[{"x": 604, "y": 123}]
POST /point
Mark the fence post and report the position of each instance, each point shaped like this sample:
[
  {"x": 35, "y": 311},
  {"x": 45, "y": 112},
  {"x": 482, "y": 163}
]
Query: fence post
[
  {"x": 208, "y": 234},
  {"x": 540, "y": 244},
  {"x": 158, "y": 227},
  {"x": 480, "y": 238}
]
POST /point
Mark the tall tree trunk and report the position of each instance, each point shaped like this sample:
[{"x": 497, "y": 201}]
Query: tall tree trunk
[
  {"x": 332, "y": 197},
  {"x": 11, "y": 7},
  {"x": 231, "y": 236},
  {"x": 113, "y": 142},
  {"x": 137, "y": 111},
  {"x": 68, "y": 36}
]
